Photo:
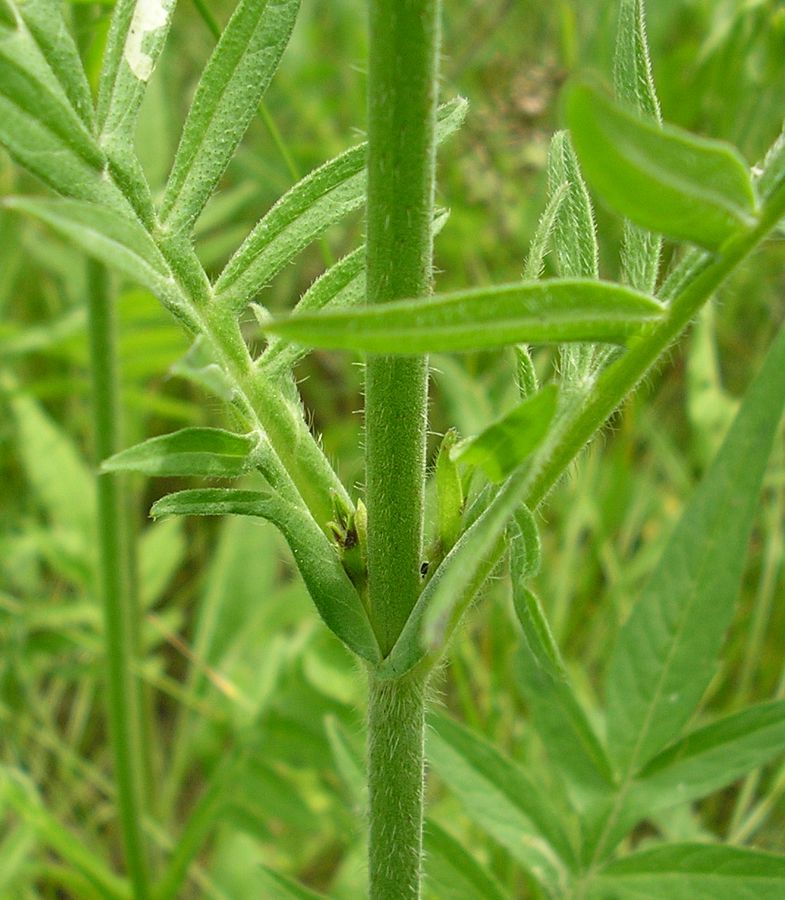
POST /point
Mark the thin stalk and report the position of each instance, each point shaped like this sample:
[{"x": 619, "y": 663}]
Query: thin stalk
[
  {"x": 402, "y": 98},
  {"x": 115, "y": 587},
  {"x": 396, "y": 736}
]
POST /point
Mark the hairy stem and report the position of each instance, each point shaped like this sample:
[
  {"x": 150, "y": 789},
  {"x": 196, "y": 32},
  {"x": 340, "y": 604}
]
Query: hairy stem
[
  {"x": 402, "y": 96},
  {"x": 116, "y": 588},
  {"x": 396, "y": 731},
  {"x": 402, "y": 99}
]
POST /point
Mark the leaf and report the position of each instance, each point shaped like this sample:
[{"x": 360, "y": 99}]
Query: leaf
[
  {"x": 452, "y": 588},
  {"x": 692, "y": 872},
  {"x": 449, "y": 494},
  {"x": 45, "y": 22},
  {"x": 666, "y": 651},
  {"x": 333, "y": 594},
  {"x": 452, "y": 873},
  {"x": 319, "y": 200},
  {"x": 538, "y": 249},
  {"x": 40, "y": 128},
  {"x": 537, "y": 630},
  {"x": 634, "y": 85},
  {"x": 501, "y": 799},
  {"x": 480, "y": 319},
  {"x": 664, "y": 179},
  {"x": 114, "y": 239},
  {"x": 205, "y": 452},
  {"x": 507, "y": 442},
  {"x": 711, "y": 757},
  {"x": 563, "y": 726},
  {"x": 525, "y": 547},
  {"x": 227, "y": 96},
  {"x": 284, "y": 888}
]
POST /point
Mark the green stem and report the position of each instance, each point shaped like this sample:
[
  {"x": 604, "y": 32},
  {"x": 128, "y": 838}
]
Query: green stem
[
  {"x": 396, "y": 732},
  {"x": 402, "y": 96},
  {"x": 115, "y": 586}
]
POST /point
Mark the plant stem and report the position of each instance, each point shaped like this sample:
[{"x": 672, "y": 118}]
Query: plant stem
[
  {"x": 115, "y": 586},
  {"x": 402, "y": 97},
  {"x": 396, "y": 732}
]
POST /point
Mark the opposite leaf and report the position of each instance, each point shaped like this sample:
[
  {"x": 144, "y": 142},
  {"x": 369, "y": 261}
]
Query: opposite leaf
[
  {"x": 505, "y": 444},
  {"x": 480, "y": 319},
  {"x": 205, "y": 452},
  {"x": 334, "y": 595},
  {"x": 664, "y": 179}
]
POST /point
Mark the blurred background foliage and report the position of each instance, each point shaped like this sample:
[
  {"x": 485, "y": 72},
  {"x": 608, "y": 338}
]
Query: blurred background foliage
[{"x": 246, "y": 688}]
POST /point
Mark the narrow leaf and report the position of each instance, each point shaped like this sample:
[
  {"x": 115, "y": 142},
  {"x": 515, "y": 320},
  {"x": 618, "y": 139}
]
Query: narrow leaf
[
  {"x": 634, "y": 85},
  {"x": 501, "y": 799},
  {"x": 449, "y": 494},
  {"x": 453, "y": 872},
  {"x": 666, "y": 651},
  {"x": 711, "y": 757},
  {"x": 306, "y": 211},
  {"x": 507, "y": 442},
  {"x": 284, "y": 888},
  {"x": 692, "y": 872},
  {"x": 227, "y": 96},
  {"x": 537, "y": 631},
  {"x": 331, "y": 590},
  {"x": 480, "y": 319},
  {"x": 206, "y": 452},
  {"x": 562, "y": 724},
  {"x": 664, "y": 179},
  {"x": 538, "y": 249},
  {"x": 113, "y": 238},
  {"x": 45, "y": 22}
]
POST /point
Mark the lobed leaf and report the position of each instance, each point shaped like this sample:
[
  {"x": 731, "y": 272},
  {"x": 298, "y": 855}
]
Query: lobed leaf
[
  {"x": 205, "y": 452},
  {"x": 634, "y": 85},
  {"x": 480, "y": 319},
  {"x": 227, "y": 96},
  {"x": 692, "y": 872},
  {"x": 317, "y": 201},
  {"x": 334, "y": 595},
  {"x": 501, "y": 799},
  {"x": 666, "y": 651},
  {"x": 664, "y": 179},
  {"x": 507, "y": 442}
]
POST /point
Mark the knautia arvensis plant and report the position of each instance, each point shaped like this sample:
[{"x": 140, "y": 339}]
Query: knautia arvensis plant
[{"x": 391, "y": 590}]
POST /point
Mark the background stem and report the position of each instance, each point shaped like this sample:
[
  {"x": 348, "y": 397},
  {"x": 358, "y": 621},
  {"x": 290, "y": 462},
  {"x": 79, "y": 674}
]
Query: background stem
[
  {"x": 116, "y": 586},
  {"x": 396, "y": 731}
]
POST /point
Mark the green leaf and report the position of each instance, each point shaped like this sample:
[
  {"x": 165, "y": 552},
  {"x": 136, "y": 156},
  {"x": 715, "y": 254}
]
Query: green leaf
[
  {"x": 538, "y": 249},
  {"x": 227, "y": 96},
  {"x": 480, "y": 319},
  {"x": 206, "y": 452},
  {"x": 114, "y": 239},
  {"x": 283, "y": 888},
  {"x": 449, "y": 494},
  {"x": 574, "y": 241},
  {"x": 525, "y": 547},
  {"x": 331, "y": 590},
  {"x": 304, "y": 212},
  {"x": 501, "y": 799},
  {"x": 692, "y": 872},
  {"x": 634, "y": 85},
  {"x": 666, "y": 652},
  {"x": 536, "y": 629},
  {"x": 45, "y": 22},
  {"x": 452, "y": 873},
  {"x": 711, "y": 757},
  {"x": 453, "y": 586},
  {"x": 563, "y": 725},
  {"x": 664, "y": 179},
  {"x": 507, "y": 442}
]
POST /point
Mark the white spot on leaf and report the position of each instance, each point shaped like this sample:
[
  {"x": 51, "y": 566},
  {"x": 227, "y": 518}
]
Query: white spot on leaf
[{"x": 149, "y": 16}]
